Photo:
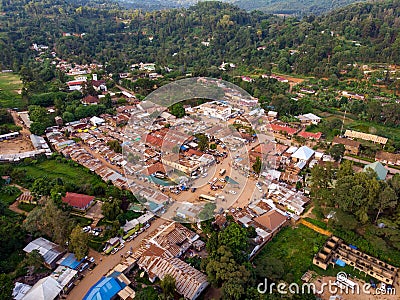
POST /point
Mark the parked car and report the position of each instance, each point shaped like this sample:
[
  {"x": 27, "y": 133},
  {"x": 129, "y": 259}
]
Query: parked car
[{"x": 232, "y": 192}]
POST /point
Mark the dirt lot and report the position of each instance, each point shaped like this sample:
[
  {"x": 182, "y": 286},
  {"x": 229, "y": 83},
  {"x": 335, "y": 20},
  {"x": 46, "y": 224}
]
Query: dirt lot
[{"x": 17, "y": 145}]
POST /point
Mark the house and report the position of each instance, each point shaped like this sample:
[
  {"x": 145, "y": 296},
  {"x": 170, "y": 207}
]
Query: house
[
  {"x": 190, "y": 283},
  {"x": 303, "y": 154},
  {"x": 9, "y": 136},
  {"x": 108, "y": 287},
  {"x": 78, "y": 201},
  {"x": 379, "y": 169},
  {"x": 276, "y": 128},
  {"x": 272, "y": 221},
  {"x": 388, "y": 158},
  {"x": 99, "y": 85},
  {"x": 50, "y": 251},
  {"x": 272, "y": 115},
  {"x": 216, "y": 110},
  {"x": 309, "y": 119},
  {"x": 90, "y": 100},
  {"x": 351, "y": 147},
  {"x": 310, "y": 135},
  {"x": 19, "y": 291},
  {"x": 96, "y": 121}
]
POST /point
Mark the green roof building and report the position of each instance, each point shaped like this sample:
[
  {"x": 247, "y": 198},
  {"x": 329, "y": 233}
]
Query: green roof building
[{"x": 380, "y": 170}]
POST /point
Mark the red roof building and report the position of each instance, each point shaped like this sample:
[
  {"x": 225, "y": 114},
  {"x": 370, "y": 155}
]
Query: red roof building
[
  {"x": 279, "y": 128},
  {"x": 78, "y": 201},
  {"x": 310, "y": 135}
]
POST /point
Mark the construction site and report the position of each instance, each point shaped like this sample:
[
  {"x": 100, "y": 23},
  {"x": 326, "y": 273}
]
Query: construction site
[{"x": 336, "y": 252}]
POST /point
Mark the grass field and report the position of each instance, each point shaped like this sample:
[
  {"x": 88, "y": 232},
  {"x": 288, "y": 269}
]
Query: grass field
[
  {"x": 9, "y": 199},
  {"x": 10, "y": 84},
  {"x": 295, "y": 248},
  {"x": 69, "y": 173}
]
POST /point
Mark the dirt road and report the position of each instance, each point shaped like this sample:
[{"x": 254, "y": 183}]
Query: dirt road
[{"x": 109, "y": 262}]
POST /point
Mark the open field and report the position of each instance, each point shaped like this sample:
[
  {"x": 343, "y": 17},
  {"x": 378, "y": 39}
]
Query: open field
[
  {"x": 10, "y": 91},
  {"x": 16, "y": 145},
  {"x": 69, "y": 173},
  {"x": 295, "y": 248}
]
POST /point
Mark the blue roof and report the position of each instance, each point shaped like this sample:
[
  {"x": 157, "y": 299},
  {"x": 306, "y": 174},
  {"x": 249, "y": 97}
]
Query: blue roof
[
  {"x": 104, "y": 289},
  {"x": 380, "y": 170},
  {"x": 71, "y": 262}
]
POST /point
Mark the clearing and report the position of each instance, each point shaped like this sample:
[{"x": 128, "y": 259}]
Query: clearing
[{"x": 10, "y": 91}]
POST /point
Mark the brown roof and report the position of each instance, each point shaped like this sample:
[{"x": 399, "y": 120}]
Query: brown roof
[
  {"x": 157, "y": 167},
  {"x": 90, "y": 99},
  {"x": 271, "y": 220},
  {"x": 388, "y": 157},
  {"x": 346, "y": 142}
]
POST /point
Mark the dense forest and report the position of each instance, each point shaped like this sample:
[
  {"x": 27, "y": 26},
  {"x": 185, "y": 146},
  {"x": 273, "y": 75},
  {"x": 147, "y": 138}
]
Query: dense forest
[{"x": 118, "y": 37}]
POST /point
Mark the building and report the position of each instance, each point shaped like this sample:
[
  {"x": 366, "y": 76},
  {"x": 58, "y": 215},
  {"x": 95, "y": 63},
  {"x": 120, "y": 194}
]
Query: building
[
  {"x": 335, "y": 249},
  {"x": 189, "y": 282},
  {"x": 9, "y": 136},
  {"x": 365, "y": 136},
  {"x": 78, "y": 201},
  {"x": 90, "y": 100},
  {"x": 109, "y": 287},
  {"x": 303, "y": 154},
  {"x": 20, "y": 290},
  {"x": 96, "y": 121},
  {"x": 272, "y": 221},
  {"x": 216, "y": 110},
  {"x": 309, "y": 119},
  {"x": 388, "y": 158},
  {"x": 379, "y": 169},
  {"x": 351, "y": 147},
  {"x": 50, "y": 251},
  {"x": 310, "y": 135}
]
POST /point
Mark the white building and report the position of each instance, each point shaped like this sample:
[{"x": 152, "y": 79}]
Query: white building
[{"x": 216, "y": 110}]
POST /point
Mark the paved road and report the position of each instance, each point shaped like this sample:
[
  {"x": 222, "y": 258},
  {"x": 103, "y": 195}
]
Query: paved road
[
  {"x": 109, "y": 262},
  {"x": 391, "y": 170}
]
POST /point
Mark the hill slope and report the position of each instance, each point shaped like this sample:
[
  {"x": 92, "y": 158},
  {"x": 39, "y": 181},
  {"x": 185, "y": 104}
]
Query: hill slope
[
  {"x": 202, "y": 36},
  {"x": 289, "y": 7}
]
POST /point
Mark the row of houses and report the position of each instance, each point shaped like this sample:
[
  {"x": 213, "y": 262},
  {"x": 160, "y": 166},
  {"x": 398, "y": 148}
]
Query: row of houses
[{"x": 70, "y": 149}]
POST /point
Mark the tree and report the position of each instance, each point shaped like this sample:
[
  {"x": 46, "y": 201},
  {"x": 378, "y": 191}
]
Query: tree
[
  {"x": 387, "y": 199},
  {"x": 234, "y": 237},
  {"x": 78, "y": 242},
  {"x": 34, "y": 259},
  {"x": 202, "y": 141},
  {"x": 111, "y": 209},
  {"x": 337, "y": 151},
  {"x": 177, "y": 110},
  {"x": 41, "y": 187},
  {"x": 6, "y": 286},
  {"x": 168, "y": 285},
  {"x": 115, "y": 146},
  {"x": 257, "y": 165},
  {"x": 106, "y": 101},
  {"x": 271, "y": 268},
  {"x": 213, "y": 146}
]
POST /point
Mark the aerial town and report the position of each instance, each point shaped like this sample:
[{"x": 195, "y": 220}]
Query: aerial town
[{"x": 145, "y": 182}]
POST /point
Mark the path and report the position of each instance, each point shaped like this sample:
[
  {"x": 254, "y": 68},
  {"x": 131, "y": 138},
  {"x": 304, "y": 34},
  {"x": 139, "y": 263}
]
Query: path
[
  {"x": 315, "y": 228},
  {"x": 14, "y": 205},
  {"x": 391, "y": 170},
  {"x": 109, "y": 262}
]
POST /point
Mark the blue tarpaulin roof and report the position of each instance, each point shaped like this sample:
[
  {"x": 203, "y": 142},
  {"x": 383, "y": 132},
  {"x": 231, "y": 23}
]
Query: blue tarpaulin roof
[
  {"x": 104, "y": 289},
  {"x": 70, "y": 261},
  {"x": 340, "y": 262}
]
